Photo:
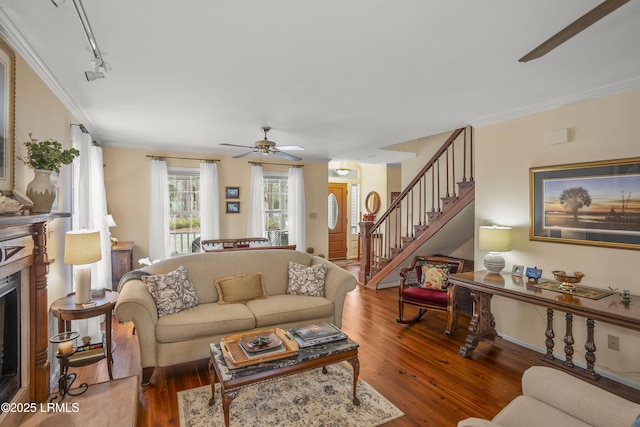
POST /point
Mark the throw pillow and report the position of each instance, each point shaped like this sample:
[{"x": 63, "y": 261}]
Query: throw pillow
[
  {"x": 173, "y": 292},
  {"x": 306, "y": 280},
  {"x": 240, "y": 289},
  {"x": 435, "y": 276}
]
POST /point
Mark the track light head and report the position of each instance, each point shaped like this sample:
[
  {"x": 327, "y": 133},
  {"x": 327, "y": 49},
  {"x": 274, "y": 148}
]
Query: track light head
[{"x": 92, "y": 75}]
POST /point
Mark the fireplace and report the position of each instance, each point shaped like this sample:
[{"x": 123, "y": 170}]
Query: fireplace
[{"x": 10, "y": 345}]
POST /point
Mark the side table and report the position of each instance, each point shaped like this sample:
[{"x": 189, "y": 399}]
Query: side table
[
  {"x": 121, "y": 262},
  {"x": 65, "y": 310}
]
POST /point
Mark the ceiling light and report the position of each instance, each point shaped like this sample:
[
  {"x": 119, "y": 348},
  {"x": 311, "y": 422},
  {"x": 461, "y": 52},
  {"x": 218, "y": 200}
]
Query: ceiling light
[
  {"x": 92, "y": 75},
  {"x": 342, "y": 171}
]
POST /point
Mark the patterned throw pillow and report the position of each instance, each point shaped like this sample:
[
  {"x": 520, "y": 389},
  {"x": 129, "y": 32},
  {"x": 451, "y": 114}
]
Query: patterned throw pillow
[
  {"x": 306, "y": 280},
  {"x": 435, "y": 276},
  {"x": 173, "y": 291}
]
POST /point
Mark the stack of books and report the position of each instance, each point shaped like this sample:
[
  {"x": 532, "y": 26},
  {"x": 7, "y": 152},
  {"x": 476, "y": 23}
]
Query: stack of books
[{"x": 319, "y": 333}]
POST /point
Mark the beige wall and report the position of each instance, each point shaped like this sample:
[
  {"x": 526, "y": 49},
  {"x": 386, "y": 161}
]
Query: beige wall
[
  {"x": 127, "y": 184},
  {"x": 602, "y": 129},
  {"x": 40, "y": 112}
]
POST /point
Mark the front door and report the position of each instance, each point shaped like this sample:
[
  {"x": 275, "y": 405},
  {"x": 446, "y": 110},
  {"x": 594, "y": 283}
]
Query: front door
[{"x": 337, "y": 203}]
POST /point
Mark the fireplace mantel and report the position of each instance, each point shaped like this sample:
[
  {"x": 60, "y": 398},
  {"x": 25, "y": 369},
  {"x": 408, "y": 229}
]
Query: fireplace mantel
[{"x": 23, "y": 245}]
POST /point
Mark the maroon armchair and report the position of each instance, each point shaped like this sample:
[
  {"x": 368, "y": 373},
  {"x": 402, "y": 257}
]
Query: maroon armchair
[{"x": 411, "y": 292}]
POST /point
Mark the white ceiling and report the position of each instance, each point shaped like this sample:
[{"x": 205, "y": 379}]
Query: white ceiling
[{"x": 342, "y": 78}]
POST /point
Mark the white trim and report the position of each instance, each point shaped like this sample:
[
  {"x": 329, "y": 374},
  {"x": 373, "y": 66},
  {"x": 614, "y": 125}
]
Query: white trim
[
  {"x": 627, "y": 85},
  {"x": 14, "y": 37}
]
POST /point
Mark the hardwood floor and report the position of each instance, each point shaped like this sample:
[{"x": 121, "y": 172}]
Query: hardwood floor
[{"x": 416, "y": 367}]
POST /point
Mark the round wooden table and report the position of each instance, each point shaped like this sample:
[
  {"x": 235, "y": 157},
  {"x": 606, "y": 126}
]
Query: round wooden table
[{"x": 65, "y": 310}]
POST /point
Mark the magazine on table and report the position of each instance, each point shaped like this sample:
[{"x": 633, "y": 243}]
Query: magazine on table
[{"x": 318, "y": 333}]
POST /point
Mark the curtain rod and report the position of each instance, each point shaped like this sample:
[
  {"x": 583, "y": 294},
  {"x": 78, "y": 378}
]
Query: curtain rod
[
  {"x": 277, "y": 164},
  {"x": 81, "y": 126},
  {"x": 180, "y": 158}
]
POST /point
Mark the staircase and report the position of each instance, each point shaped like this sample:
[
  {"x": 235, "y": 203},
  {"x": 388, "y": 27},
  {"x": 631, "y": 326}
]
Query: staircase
[{"x": 439, "y": 192}]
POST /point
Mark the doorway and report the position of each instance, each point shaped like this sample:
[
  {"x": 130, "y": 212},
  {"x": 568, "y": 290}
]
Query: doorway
[{"x": 337, "y": 205}]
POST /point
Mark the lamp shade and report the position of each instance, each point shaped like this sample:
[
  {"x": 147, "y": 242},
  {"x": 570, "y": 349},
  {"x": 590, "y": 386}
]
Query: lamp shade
[
  {"x": 110, "y": 221},
  {"x": 82, "y": 247},
  {"x": 495, "y": 239}
]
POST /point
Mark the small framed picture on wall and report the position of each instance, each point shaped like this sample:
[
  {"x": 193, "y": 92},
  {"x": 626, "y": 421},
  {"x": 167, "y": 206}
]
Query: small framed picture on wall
[
  {"x": 233, "y": 207},
  {"x": 232, "y": 192}
]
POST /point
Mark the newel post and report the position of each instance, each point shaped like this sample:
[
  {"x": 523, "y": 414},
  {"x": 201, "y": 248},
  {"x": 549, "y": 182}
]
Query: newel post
[{"x": 365, "y": 246}]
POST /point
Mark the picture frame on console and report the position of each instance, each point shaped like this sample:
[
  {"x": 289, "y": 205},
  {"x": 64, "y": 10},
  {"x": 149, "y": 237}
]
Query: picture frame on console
[
  {"x": 588, "y": 203},
  {"x": 7, "y": 116},
  {"x": 517, "y": 270}
]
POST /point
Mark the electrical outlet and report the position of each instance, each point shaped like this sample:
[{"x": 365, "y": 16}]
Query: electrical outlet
[{"x": 613, "y": 342}]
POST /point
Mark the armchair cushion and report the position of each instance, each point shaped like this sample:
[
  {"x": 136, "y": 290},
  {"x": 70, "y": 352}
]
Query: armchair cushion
[
  {"x": 425, "y": 296},
  {"x": 173, "y": 292},
  {"x": 435, "y": 276}
]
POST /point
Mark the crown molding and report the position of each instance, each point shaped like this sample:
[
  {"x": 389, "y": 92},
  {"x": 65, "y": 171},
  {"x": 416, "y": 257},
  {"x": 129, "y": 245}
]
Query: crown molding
[
  {"x": 601, "y": 92},
  {"x": 10, "y": 32}
]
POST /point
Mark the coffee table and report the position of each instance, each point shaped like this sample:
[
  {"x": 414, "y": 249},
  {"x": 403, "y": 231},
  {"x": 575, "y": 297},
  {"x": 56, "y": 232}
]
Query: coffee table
[{"x": 318, "y": 356}]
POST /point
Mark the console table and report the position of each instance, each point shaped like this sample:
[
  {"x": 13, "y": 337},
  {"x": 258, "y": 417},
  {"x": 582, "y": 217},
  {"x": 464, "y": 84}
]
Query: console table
[{"x": 483, "y": 285}]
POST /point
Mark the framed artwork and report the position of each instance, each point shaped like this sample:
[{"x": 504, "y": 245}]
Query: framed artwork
[
  {"x": 232, "y": 192},
  {"x": 7, "y": 115},
  {"x": 517, "y": 270},
  {"x": 394, "y": 196},
  {"x": 233, "y": 207},
  {"x": 595, "y": 203}
]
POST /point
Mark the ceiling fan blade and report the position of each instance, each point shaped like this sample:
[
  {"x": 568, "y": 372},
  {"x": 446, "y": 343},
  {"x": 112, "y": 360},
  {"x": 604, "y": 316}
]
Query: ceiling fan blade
[
  {"x": 248, "y": 153},
  {"x": 286, "y": 156},
  {"x": 236, "y": 145},
  {"x": 580, "y": 24},
  {"x": 290, "y": 147}
]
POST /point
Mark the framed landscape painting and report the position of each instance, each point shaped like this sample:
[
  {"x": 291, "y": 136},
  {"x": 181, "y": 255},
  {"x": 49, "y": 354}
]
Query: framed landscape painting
[
  {"x": 7, "y": 104},
  {"x": 595, "y": 203}
]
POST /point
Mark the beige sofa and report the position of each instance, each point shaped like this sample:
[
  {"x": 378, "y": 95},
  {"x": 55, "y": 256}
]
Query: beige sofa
[
  {"x": 551, "y": 397},
  {"x": 185, "y": 336}
]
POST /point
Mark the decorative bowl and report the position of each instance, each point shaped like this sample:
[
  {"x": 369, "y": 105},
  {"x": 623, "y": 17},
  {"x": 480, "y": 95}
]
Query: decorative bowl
[{"x": 568, "y": 279}]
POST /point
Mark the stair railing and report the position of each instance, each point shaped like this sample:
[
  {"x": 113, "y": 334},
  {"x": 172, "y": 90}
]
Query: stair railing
[{"x": 423, "y": 200}]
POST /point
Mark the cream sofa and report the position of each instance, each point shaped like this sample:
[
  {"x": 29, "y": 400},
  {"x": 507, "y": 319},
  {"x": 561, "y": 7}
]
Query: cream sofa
[
  {"x": 551, "y": 397},
  {"x": 185, "y": 336}
]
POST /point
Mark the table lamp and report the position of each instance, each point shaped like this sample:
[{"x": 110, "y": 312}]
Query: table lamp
[
  {"x": 111, "y": 223},
  {"x": 82, "y": 248},
  {"x": 494, "y": 239}
]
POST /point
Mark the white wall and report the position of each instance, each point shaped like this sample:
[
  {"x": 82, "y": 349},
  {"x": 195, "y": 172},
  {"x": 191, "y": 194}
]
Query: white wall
[{"x": 601, "y": 129}]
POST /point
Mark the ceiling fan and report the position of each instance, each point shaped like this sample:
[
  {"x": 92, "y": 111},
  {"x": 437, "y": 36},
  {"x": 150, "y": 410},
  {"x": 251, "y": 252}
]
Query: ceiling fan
[
  {"x": 266, "y": 147},
  {"x": 580, "y": 24}
]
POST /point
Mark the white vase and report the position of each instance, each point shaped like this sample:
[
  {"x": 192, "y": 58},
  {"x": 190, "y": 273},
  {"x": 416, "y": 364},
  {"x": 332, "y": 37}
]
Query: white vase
[{"x": 42, "y": 191}]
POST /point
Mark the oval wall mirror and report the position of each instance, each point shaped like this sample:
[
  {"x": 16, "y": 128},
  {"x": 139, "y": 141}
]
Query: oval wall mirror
[
  {"x": 333, "y": 211},
  {"x": 372, "y": 202}
]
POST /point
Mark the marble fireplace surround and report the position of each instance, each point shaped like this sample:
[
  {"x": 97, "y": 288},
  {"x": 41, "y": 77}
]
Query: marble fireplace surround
[{"x": 23, "y": 248}]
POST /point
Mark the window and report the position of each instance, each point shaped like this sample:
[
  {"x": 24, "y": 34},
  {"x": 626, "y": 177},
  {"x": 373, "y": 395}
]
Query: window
[
  {"x": 355, "y": 208},
  {"x": 276, "y": 187},
  {"x": 184, "y": 210}
]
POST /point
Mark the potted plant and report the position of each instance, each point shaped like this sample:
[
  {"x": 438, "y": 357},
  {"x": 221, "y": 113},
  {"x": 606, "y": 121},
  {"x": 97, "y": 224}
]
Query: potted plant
[{"x": 45, "y": 157}]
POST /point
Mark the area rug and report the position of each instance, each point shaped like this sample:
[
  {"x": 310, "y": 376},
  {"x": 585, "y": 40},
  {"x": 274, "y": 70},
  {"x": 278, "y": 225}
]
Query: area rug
[
  {"x": 306, "y": 399},
  {"x": 346, "y": 262}
]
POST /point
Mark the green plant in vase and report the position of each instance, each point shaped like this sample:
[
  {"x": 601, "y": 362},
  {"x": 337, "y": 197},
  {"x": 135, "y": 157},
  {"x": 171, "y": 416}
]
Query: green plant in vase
[{"x": 45, "y": 157}]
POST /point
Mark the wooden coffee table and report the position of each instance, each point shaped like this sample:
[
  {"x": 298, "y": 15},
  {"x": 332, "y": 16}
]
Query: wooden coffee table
[{"x": 318, "y": 356}]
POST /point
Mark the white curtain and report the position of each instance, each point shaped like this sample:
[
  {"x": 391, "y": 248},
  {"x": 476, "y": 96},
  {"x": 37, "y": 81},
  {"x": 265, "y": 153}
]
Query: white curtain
[
  {"x": 296, "y": 208},
  {"x": 209, "y": 201},
  {"x": 159, "y": 247},
  {"x": 255, "y": 228},
  {"x": 90, "y": 202},
  {"x": 90, "y": 211}
]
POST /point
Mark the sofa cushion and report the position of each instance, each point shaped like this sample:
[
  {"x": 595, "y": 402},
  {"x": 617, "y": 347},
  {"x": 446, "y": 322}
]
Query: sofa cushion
[
  {"x": 435, "y": 276},
  {"x": 240, "y": 288},
  {"x": 525, "y": 411},
  {"x": 281, "y": 309},
  {"x": 204, "y": 320},
  {"x": 306, "y": 280},
  {"x": 173, "y": 292}
]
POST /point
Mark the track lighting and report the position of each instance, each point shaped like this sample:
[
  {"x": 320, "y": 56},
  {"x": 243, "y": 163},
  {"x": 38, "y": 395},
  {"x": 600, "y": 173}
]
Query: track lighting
[{"x": 92, "y": 75}]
